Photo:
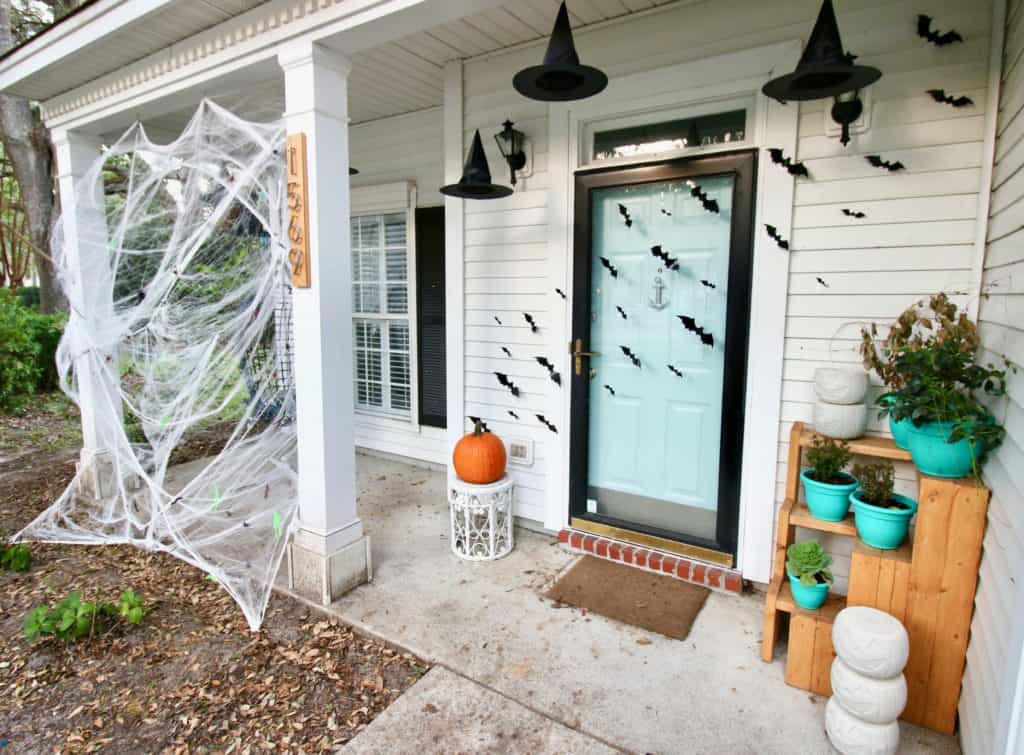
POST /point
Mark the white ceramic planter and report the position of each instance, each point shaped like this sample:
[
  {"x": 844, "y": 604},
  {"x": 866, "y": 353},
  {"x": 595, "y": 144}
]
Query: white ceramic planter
[
  {"x": 843, "y": 421},
  {"x": 871, "y": 642},
  {"x": 852, "y": 736},
  {"x": 877, "y": 701},
  {"x": 840, "y": 385}
]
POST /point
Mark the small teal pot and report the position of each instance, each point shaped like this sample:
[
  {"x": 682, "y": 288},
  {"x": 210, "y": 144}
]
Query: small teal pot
[
  {"x": 881, "y": 528},
  {"x": 807, "y": 596},
  {"x": 932, "y": 455},
  {"x": 828, "y": 502}
]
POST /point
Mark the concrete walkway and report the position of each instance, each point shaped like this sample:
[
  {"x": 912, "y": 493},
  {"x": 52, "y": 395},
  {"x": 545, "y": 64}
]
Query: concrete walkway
[{"x": 518, "y": 674}]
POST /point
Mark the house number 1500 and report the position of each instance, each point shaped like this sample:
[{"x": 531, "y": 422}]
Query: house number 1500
[{"x": 298, "y": 213}]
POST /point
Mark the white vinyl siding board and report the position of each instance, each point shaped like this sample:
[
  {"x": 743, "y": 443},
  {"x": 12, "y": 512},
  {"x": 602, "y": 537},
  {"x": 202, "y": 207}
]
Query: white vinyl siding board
[
  {"x": 994, "y": 655},
  {"x": 393, "y": 155},
  {"x": 917, "y": 236}
]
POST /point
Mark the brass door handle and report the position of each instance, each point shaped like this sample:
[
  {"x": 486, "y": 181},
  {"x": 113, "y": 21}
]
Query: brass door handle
[{"x": 578, "y": 353}]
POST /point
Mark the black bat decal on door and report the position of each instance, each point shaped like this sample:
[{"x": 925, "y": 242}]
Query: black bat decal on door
[
  {"x": 691, "y": 325},
  {"x": 707, "y": 284},
  {"x": 711, "y": 205},
  {"x": 609, "y": 389},
  {"x": 939, "y": 95},
  {"x": 793, "y": 168},
  {"x": 624, "y": 212},
  {"x": 607, "y": 264},
  {"x": 675, "y": 371},
  {"x": 632, "y": 357},
  {"x": 621, "y": 311},
  {"x": 670, "y": 262},
  {"x": 925, "y": 31},
  {"x": 504, "y": 380}
]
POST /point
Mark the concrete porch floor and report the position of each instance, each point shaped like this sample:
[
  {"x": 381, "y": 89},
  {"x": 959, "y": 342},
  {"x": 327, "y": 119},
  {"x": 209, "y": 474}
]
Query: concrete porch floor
[{"x": 515, "y": 673}]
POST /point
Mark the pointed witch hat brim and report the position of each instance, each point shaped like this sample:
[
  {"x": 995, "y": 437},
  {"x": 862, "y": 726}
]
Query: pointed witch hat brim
[
  {"x": 476, "y": 177},
  {"x": 824, "y": 70},
  {"x": 561, "y": 77}
]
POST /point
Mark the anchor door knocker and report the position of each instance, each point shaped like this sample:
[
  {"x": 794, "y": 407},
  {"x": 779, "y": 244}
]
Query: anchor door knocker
[{"x": 658, "y": 301}]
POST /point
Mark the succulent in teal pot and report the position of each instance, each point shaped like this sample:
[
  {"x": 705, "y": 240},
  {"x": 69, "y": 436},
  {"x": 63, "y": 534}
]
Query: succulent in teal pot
[
  {"x": 882, "y": 516},
  {"x": 809, "y": 577},
  {"x": 827, "y": 486}
]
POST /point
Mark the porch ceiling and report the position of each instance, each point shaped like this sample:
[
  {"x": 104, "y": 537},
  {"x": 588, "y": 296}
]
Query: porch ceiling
[{"x": 397, "y": 77}]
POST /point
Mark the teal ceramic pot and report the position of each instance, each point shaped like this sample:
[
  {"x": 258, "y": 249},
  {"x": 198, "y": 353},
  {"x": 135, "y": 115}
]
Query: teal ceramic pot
[
  {"x": 808, "y": 596},
  {"x": 882, "y": 528},
  {"x": 827, "y": 501},
  {"x": 934, "y": 456},
  {"x": 900, "y": 430}
]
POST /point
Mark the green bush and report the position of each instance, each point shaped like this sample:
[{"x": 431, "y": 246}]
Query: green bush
[
  {"x": 16, "y": 557},
  {"x": 19, "y": 353},
  {"x": 72, "y": 618},
  {"x": 28, "y": 296},
  {"x": 828, "y": 458},
  {"x": 46, "y": 331}
]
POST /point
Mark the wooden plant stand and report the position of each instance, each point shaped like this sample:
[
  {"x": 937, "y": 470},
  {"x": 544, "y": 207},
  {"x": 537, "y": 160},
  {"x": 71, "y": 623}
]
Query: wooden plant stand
[{"x": 928, "y": 585}]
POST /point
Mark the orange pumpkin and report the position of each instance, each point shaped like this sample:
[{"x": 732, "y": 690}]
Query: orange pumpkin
[{"x": 479, "y": 457}]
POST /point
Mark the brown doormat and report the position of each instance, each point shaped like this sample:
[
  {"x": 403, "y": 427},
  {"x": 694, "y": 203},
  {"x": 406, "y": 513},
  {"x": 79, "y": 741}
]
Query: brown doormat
[{"x": 651, "y": 601}]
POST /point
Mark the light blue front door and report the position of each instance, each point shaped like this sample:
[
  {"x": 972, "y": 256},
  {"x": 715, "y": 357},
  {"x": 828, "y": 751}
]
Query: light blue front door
[{"x": 659, "y": 287}]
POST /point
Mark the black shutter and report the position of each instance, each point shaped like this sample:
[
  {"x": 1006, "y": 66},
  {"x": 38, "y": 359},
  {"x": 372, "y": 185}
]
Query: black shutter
[{"x": 430, "y": 315}]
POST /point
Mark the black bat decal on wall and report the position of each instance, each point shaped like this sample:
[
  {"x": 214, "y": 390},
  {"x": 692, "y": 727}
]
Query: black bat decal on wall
[
  {"x": 546, "y": 363},
  {"x": 670, "y": 262},
  {"x": 707, "y": 284},
  {"x": 483, "y": 425},
  {"x": 503, "y": 379},
  {"x": 711, "y": 205},
  {"x": 607, "y": 264},
  {"x": 878, "y": 162},
  {"x": 497, "y": 320},
  {"x": 544, "y": 421},
  {"x": 773, "y": 234},
  {"x": 530, "y": 321},
  {"x": 675, "y": 371},
  {"x": 939, "y": 95},
  {"x": 507, "y": 352},
  {"x": 924, "y": 30},
  {"x": 512, "y": 414},
  {"x": 560, "y": 292},
  {"x": 609, "y": 389},
  {"x": 691, "y": 325},
  {"x": 793, "y": 168},
  {"x": 853, "y": 213},
  {"x": 822, "y": 282},
  {"x": 632, "y": 357},
  {"x": 621, "y": 312},
  {"x": 624, "y": 212}
]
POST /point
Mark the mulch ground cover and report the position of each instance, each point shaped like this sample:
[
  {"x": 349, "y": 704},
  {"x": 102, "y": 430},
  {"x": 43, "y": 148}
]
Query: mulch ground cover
[{"x": 191, "y": 678}]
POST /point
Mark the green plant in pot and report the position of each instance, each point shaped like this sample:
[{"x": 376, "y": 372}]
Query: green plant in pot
[
  {"x": 929, "y": 362},
  {"x": 826, "y": 486},
  {"x": 882, "y": 516},
  {"x": 809, "y": 577}
]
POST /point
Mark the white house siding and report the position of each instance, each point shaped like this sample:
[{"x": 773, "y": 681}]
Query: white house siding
[
  {"x": 994, "y": 654},
  {"x": 402, "y": 148},
  {"x": 916, "y": 239}
]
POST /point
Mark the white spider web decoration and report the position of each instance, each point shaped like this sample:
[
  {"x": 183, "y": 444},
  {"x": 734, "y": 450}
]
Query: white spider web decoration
[{"x": 181, "y": 314}]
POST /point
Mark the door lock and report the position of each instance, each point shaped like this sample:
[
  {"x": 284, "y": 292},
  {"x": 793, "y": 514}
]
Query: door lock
[{"x": 578, "y": 353}]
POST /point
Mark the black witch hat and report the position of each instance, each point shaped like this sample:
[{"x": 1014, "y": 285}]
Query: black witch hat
[
  {"x": 825, "y": 69},
  {"x": 476, "y": 177},
  {"x": 561, "y": 77}
]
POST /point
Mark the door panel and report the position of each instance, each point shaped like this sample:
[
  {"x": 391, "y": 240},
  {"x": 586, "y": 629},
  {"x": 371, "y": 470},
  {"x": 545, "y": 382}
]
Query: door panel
[{"x": 661, "y": 296}]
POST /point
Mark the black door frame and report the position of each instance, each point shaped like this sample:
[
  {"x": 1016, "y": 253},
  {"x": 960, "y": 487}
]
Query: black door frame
[{"x": 742, "y": 165}]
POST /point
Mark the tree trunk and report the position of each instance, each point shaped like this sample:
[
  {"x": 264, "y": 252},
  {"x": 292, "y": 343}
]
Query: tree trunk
[{"x": 27, "y": 142}]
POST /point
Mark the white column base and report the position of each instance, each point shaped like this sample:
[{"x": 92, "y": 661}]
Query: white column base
[{"x": 326, "y": 578}]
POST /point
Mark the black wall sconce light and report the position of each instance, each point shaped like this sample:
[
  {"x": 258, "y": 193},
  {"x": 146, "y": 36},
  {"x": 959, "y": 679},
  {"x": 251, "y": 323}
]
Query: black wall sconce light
[
  {"x": 826, "y": 70},
  {"x": 510, "y": 142}
]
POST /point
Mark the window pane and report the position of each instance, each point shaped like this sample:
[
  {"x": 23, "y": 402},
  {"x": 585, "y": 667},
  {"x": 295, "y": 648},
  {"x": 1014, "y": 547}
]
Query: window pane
[
  {"x": 369, "y": 232},
  {"x": 398, "y": 336},
  {"x": 682, "y": 133},
  {"x": 394, "y": 230},
  {"x": 398, "y": 299},
  {"x": 395, "y": 262},
  {"x": 369, "y": 298}
]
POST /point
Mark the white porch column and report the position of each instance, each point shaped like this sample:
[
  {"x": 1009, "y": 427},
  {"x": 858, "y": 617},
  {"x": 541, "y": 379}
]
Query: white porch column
[
  {"x": 330, "y": 553},
  {"x": 90, "y": 294}
]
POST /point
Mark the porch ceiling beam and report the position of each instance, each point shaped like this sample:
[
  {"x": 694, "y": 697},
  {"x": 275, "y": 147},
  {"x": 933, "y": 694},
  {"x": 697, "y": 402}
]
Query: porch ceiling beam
[{"x": 232, "y": 47}]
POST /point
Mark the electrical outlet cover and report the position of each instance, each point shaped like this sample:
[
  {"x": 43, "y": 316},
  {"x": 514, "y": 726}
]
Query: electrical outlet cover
[{"x": 520, "y": 451}]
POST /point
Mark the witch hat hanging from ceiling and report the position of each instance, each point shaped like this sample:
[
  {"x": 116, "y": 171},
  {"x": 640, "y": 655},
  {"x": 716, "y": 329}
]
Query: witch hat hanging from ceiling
[
  {"x": 476, "y": 177},
  {"x": 825, "y": 69},
  {"x": 561, "y": 77}
]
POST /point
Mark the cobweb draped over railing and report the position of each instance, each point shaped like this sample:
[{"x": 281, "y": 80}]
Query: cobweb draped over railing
[{"x": 180, "y": 317}]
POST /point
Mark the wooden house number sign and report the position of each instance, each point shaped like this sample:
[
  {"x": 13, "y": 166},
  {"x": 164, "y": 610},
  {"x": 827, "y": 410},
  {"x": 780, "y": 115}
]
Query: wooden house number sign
[{"x": 298, "y": 211}]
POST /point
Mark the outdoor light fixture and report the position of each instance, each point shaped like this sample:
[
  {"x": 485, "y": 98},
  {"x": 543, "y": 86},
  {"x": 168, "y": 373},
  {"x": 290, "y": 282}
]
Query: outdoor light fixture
[
  {"x": 510, "y": 142},
  {"x": 476, "y": 177},
  {"x": 561, "y": 77},
  {"x": 826, "y": 70}
]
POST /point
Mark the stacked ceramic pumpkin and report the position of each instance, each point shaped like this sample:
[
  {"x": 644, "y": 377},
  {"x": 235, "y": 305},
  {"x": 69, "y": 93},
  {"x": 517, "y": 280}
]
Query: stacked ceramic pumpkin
[
  {"x": 869, "y": 691},
  {"x": 840, "y": 411}
]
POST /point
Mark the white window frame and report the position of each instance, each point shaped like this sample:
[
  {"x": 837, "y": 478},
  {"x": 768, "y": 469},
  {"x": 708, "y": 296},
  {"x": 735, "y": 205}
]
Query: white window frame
[{"x": 392, "y": 199}]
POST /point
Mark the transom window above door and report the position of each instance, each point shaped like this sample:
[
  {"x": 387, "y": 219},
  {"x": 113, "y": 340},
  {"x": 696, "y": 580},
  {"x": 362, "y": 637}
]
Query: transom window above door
[{"x": 667, "y": 132}]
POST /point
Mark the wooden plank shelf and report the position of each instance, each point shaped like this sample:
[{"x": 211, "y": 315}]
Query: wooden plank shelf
[
  {"x": 882, "y": 448},
  {"x": 801, "y": 516},
  {"x": 827, "y": 613}
]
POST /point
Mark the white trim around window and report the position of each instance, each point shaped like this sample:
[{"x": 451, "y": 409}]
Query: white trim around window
[{"x": 378, "y": 203}]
